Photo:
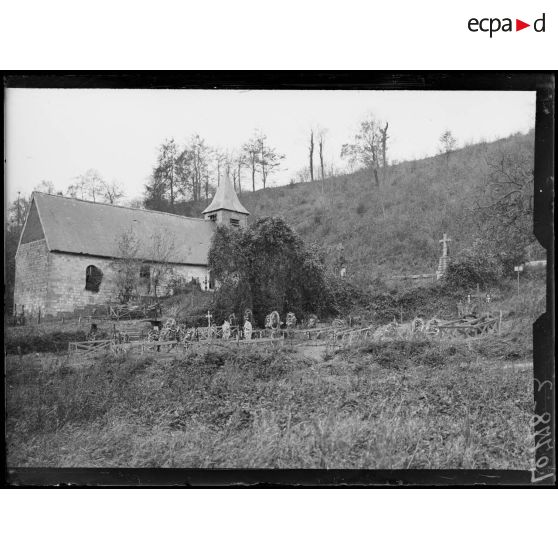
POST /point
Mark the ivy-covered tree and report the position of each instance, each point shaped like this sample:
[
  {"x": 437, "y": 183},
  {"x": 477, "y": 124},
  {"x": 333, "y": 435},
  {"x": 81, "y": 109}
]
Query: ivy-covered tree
[
  {"x": 503, "y": 207},
  {"x": 267, "y": 267}
]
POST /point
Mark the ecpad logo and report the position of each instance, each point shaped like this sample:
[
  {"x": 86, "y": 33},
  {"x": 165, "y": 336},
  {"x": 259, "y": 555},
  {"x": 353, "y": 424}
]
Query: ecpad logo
[{"x": 493, "y": 25}]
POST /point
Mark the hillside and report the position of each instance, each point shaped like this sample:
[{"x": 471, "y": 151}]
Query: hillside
[{"x": 422, "y": 200}]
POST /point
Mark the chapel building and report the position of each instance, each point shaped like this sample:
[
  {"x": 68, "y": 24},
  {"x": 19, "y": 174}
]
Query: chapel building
[{"x": 67, "y": 249}]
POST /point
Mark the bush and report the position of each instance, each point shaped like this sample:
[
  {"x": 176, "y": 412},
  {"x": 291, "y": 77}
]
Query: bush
[
  {"x": 425, "y": 301},
  {"x": 267, "y": 267},
  {"x": 477, "y": 265},
  {"x": 178, "y": 285},
  {"x": 189, "y": 309},
  {"x": 402, "y": 354},
  {"x": 344, "y": 295},
  {"x": 38, "y": 342},
  {"x": 471, "y": 271}
]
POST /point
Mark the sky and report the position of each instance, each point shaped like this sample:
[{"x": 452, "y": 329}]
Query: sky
[{"x": 58, "y": 134}]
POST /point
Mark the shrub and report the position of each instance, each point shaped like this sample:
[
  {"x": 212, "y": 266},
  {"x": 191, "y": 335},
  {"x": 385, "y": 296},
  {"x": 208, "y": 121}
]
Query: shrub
[
  {"x": 400, "y": 354},
  {"x": 267, "y": 267},
  {"x": 471, "y": 271},
  {"x": 40, "y": 342},
  {"x": 344, "y": 295},
  {"x": 178, "y": 285}
]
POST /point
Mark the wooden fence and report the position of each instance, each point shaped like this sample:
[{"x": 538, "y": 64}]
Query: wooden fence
[
  {"x": 89, "y": 348},
  {"x": 473, "y": 328}
]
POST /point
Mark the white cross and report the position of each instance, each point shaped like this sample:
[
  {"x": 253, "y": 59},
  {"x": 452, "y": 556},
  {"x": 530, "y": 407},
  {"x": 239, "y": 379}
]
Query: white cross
[{"x": 444, "y": 243}]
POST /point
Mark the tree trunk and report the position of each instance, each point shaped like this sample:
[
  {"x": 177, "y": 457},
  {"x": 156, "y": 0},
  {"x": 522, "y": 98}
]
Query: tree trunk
[
  {"x": 171, "y": 188},
  {"x": 376, "y": 179},
  {"x": 194, "y": 189},
  {"x": 239, "y": 185},
  {"x": 384, "y": 151},
  {"x": 253, "y": 176},
  {"x": 311, "y": 155},
  {"x": 262, "y": 163},
  {"x": 321, "y": 146}
]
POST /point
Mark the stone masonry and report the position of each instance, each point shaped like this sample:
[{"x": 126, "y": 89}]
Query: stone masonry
[
  {"x": 31, "y": 278},
  {"x": 55, "y": 282}
]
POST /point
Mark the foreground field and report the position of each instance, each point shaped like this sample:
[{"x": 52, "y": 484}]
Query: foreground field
[{"x": 399, "y": 404}]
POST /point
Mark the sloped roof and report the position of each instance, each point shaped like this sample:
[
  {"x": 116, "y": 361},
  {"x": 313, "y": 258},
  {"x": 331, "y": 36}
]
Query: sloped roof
[
  {"x": 226, "y": 198},
  {"x": 84, "y": 227}
]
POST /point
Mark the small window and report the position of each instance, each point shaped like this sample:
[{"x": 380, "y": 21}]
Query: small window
[
  {"x": 211, "y": 280},
  {"x": 145, "y": 272},
  {"x": 213, "y": 217},
  {"x": 93, "y": 278},
  {"x": 235, "y": 222}
]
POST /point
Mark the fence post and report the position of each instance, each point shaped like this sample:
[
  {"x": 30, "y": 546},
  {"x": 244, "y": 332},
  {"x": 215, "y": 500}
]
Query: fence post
[
  {"x": 39, "y": 316},
  {"x": 500, "y": 323}
]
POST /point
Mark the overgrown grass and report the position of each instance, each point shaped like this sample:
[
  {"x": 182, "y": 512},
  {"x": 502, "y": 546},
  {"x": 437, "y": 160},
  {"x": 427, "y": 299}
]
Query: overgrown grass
[
  {"x": 420, "y": 405},
  {"x": 31, "y": 339}
]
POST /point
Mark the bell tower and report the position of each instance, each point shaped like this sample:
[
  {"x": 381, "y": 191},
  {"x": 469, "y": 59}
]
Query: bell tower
[{"x": 226, "y": 209}]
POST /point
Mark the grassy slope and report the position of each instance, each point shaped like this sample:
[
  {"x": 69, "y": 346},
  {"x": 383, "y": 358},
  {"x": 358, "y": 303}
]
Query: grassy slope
[
  {"x": 422, "y": 404},
  {"x": 423, "y": 199}
]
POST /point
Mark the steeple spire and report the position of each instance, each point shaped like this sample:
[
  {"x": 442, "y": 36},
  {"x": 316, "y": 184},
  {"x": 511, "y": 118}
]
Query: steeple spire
[
  {"x": 225, "y": 207},
  {"x": 226, "y": 198}
]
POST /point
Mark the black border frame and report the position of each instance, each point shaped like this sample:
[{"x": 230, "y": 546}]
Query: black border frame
[{"x": 543, "y": 329}]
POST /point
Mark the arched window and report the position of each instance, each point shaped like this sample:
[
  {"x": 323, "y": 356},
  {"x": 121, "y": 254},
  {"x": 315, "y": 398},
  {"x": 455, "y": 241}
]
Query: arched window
[{"x": 93, "y": 278}]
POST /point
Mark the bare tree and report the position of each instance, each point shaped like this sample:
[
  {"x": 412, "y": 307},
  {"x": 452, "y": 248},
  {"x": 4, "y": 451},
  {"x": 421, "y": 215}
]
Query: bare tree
[
  {"x": 18, "y": 211},
  {"x": 112, "y": 192},
  {"x": 241, "y": 162},
  {"x": 447, "y": 143},
  {"x": 383, "y": 142},
  {"x": 168, "y": 153},
  {"x": 303, "y": 175},
  {"x": 77, "y": 189},
  {"x": 45, "y": 186},
  {"x": 160, "y": 255},
  {"x": 206, "y": 184},
  {"x": 165, "y": 183},
  {"x": 503, "y": 206},
  {"x": 136, "y": 265},
  {"x": 268, "y": 158},
  {"x": 88, "y": 186},
  {"x": 321, "y": 142},
  {"x": 251, "y": 151},
  {"x": 127, "y": 265},
  {"x": 311, "y": 155},
  {"x": 199, "y": 161},
  {"x": 369, "y": 148},
  {"x": 220, "y": 157}
]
